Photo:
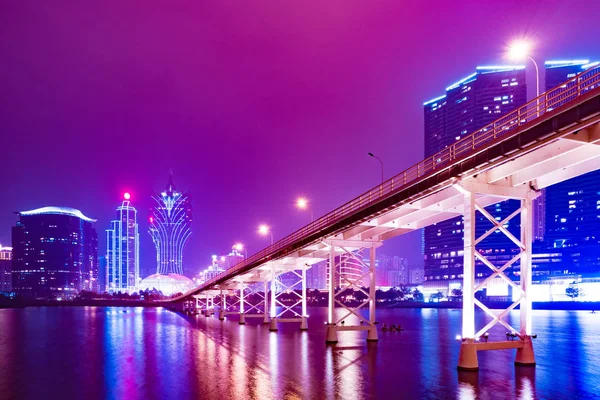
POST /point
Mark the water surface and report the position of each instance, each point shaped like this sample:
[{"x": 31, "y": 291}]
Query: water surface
[{"x": 136, "y": 353}]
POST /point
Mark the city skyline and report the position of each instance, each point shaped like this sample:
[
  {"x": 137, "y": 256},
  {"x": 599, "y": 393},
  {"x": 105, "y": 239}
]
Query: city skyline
[{"x": 226, "y": 140}]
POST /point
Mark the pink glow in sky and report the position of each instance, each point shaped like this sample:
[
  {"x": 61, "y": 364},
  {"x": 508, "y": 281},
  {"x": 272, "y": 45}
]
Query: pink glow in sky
[{"x": 249, "y": 102}]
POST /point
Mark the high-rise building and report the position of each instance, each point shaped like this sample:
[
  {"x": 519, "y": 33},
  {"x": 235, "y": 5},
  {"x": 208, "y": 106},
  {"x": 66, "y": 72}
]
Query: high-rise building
[
  {"x": 5, "y": 269},
  {"x": 122, "y": 250},
  {"x": 572, "y": 206},
  {"x": 170, "y": 221},
  {"x": 392, "y": 271},
  {"x": 55, "y": 253},
  {"x": 469, "y": 104}
]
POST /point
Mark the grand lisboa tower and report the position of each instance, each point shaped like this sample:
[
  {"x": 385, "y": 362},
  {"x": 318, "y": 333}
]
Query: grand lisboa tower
[{"x": 170, "y": 221}]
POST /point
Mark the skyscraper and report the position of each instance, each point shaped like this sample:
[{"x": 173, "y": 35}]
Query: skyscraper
[
  {"x": 122, "y": 250},
  {"x": 55, "y": 253},
  {"x": 469, "y": 104},
  {"x": 5, "y": 269},
  {"x": 573, "y": 206},
  {"x": 170, "y": 221}
]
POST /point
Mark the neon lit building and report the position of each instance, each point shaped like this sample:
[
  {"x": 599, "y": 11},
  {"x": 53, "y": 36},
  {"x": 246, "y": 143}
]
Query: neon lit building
[
  {"x": 5, "y": 269},
  {"x": 55, "y": 253},
  {"x": 170, "y": 221},
  {"x": 467, "y": 105},
  {"x": 122, "y": 250}
]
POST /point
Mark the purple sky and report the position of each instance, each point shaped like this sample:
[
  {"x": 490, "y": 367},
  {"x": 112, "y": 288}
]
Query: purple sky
[{"x": 250, "y": 102}]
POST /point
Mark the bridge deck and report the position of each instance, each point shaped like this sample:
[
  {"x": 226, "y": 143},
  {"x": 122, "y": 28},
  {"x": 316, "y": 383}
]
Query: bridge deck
[{"x": 550, "y": 139}]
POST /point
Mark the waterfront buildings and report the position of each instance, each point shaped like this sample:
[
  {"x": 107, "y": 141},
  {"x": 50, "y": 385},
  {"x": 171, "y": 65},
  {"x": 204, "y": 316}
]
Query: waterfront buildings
[
  {"x": 170, "y": 221},
  {"x": 55, "y": 253},
  {"x": 392, "y": 271},
  {"x": 122, "y": 250},
  {"x": 469, "y": 104},
  {"x": 5, "y": 270},
  {"x": 215, "y": 268}
]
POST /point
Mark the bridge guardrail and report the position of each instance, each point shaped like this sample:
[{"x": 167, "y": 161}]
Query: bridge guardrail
[{"x": 548, "y": 101}]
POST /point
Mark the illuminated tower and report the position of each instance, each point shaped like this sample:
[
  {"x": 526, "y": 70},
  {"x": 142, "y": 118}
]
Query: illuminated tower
[
  {"x": 170, "y": 221},
  {"x": 122, "y": 250}
]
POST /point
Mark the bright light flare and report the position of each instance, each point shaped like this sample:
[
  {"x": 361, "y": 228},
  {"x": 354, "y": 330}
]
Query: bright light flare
[
  {"x": 238, "y": 246},
  {"x": 519, "y": 50},
  {"x": 263, "y": 229},
  {"x": 302, "y": 203},
  {"x": 126, "y": 196}
]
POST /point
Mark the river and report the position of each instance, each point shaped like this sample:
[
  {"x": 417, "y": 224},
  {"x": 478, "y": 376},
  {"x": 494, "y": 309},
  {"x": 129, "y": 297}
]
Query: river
[{"x": 152, "y": 353}]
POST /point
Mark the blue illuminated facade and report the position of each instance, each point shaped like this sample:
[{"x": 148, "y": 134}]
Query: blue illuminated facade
[
  {"x": 572, "y": 236},
  {"x": 55, "y": 253},
  {"x": 122, "y": 250},
  {"x": 469, "y": 104},
  {"x": 170, "y": 221}
]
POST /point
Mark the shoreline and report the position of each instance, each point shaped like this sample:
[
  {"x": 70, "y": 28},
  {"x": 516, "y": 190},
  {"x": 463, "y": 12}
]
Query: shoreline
[{"x": 558, "y": 305}]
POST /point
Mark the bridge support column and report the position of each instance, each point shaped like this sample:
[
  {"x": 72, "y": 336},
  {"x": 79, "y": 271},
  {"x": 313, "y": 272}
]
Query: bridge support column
[
  {"x": 207, "y": 305},
  {"x": 331, "y": 284},
  {"x": 223, "y": 306},
  {"x": 372, "y": 335},
  {"x": 349, "y": 272},
  {"x": 468, "y": 350},
  {"x": 304, "y": 322},
  {"x": 525, "y": 355},
  {"x": 266, "y": 303},
  {"x": 242, "y": 320}
]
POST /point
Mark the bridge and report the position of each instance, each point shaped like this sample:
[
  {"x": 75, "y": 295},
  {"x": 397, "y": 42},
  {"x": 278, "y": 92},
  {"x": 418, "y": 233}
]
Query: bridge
[{"x": 553, "y": 138}]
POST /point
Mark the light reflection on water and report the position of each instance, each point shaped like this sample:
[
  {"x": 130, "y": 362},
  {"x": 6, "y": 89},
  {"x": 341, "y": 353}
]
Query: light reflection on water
[{"x": 114, "y": 353}]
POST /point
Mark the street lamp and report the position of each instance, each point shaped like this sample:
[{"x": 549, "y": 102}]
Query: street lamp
[
  {"x": 264, "y": 230},
  {"x": 239, "y": 247},
  {"x": 380, "y": 162},
  {"x": 520, "y": 50},
  {"x": 302, "y": 204}
]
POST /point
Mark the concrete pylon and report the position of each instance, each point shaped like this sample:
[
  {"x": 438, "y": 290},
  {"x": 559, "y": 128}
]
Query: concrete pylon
[
  {"x": 467, "y": 358},
  {"x": 242, "y": 320},
  {"x": 525, "y": 355},
  {"x": 304, "y": 324},
  {"x": 331, "y": 335},
  {"x": 273, "y": 325}
]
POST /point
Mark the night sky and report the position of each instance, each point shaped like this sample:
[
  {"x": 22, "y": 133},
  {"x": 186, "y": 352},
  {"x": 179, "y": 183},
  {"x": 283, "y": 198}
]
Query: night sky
[{"x": 251, "y": 103}]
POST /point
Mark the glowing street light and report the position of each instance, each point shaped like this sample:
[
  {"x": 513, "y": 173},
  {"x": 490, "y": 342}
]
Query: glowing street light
[
  {"x": 264, "y": 230},
  {"x": 302, "y": 204},
  {"x": 126, "y": 196},
  {"x": 239, "y": 247},
  {"x": 521, "y": 50}
]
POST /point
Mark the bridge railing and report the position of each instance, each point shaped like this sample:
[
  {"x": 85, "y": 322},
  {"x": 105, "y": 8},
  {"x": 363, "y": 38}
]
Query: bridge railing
[{"x": 548, "y": 101}]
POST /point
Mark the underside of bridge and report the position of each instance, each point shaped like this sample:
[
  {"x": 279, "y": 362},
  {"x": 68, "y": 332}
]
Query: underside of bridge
[{"x": 551, "y": 139}]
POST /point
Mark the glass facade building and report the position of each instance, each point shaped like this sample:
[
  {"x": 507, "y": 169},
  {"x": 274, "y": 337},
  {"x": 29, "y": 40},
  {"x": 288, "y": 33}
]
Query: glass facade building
[
  {"x": 170, "y": 221},
  {"x": 5, "y": 270},
  {"x": 572, "y": 239},
  {"x": 469, "y": 104},
  {"x": 55, "y": 253},
  {"x": 122, "y": 250}
]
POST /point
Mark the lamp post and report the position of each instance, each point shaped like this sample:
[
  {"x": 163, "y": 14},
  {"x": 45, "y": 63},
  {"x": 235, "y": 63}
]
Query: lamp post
[
  {"x": 302, "y": 204},
  {"x": 520, "y": 50},
  {"x": 264, "y": 230},
  {"x": 380, "y": 162}
]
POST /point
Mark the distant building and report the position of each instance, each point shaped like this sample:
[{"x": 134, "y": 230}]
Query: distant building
[
  {"x": 415, "y": 276},
  {"x": 122, "y": 250},
  {"x": 316, "y": 275},
  {"x": 170, "y": 221},
  {"x": 212, "y": 271},
  {"x": 468, "y": 105},
  {"x": 55, "y": 253},
  {"x": 391, "y": 271},
  {"x": 5, "y": 270},
  {"x": 102, "y": 273},
  {"x": 234, "y": 257}
]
